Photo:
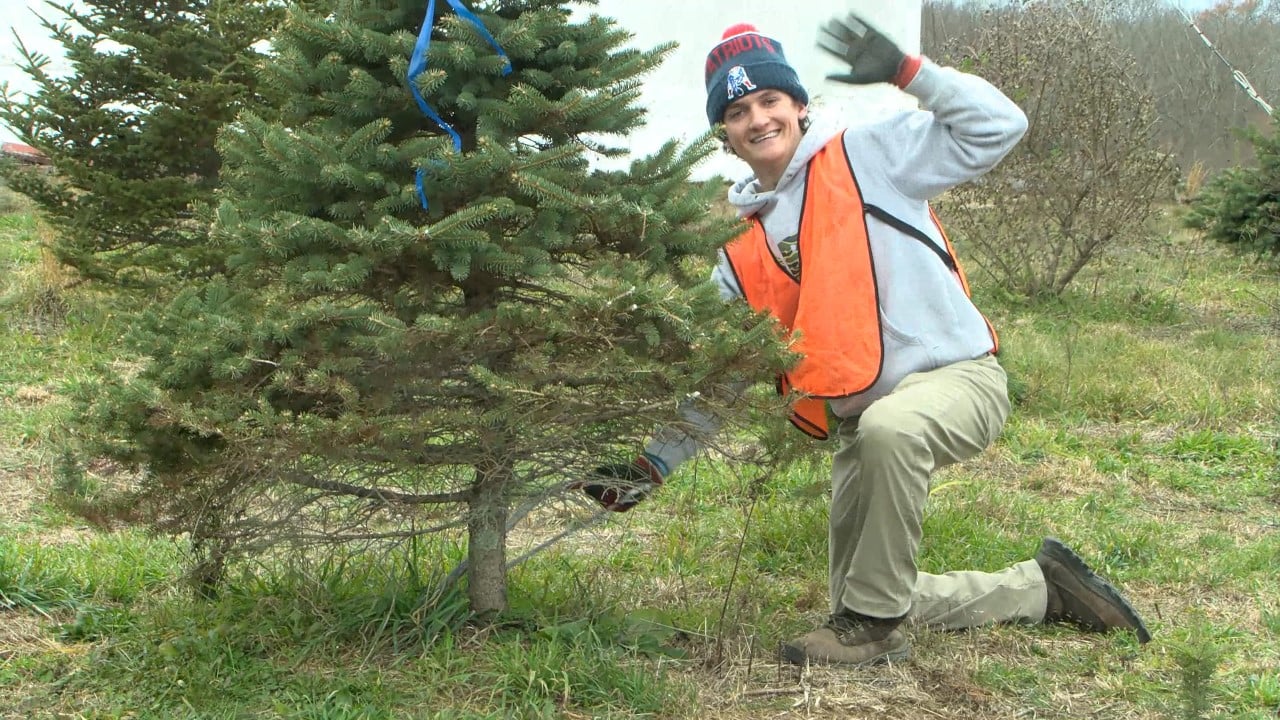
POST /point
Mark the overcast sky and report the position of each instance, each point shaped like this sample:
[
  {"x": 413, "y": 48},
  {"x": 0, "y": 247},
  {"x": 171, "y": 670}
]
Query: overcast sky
[{"x": 22, "y": 22}]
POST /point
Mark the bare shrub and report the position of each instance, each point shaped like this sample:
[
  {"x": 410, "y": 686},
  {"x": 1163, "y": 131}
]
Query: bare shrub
[
  {"x": 1200, "y": 108},
  {"x": 1087, "y": 176}
]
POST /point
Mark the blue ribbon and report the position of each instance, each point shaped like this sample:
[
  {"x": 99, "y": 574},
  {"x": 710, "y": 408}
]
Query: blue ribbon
[{"x": 418, "y": 63}]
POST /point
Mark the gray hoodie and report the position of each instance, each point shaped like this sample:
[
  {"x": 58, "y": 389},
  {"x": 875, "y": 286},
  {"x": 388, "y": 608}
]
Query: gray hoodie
[{"x": 901, "y": 162}]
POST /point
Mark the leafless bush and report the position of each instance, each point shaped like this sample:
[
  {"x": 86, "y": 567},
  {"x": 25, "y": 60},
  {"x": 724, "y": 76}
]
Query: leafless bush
[
  {"x": 1199, "y": 107},
  {"x": 1087, "y": 176}
]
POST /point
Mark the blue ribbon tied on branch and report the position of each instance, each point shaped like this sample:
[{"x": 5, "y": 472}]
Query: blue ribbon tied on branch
[{"x": 418, "y": 64}]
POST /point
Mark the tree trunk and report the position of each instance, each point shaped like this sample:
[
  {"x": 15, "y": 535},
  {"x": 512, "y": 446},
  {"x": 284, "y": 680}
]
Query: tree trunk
[{"x": 487, "y": 543}]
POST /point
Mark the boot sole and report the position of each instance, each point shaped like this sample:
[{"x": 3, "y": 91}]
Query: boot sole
[
  {"x": 797, "y": 656},
  {"x": 1053, "y": 549}
]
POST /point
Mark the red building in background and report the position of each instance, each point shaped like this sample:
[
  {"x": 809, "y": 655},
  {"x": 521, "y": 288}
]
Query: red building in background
[{"x": 23, "y": 153}]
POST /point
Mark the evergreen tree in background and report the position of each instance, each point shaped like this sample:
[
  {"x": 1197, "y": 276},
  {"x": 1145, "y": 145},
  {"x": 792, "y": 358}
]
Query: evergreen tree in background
[
  {"x": 368, "y": 371},
  {"x": 131, "y": 130},
  {"x": 1241, "y": 206}
]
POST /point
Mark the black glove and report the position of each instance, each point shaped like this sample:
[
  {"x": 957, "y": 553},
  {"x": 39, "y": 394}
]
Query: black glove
[
  {"x": 624, "y": 485},
  {"x": 872, "y": 57}
]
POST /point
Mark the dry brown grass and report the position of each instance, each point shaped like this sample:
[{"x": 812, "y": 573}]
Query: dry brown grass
[
  {"x": 940, "y": 681},
  {"x": 1194, "y": 182}
]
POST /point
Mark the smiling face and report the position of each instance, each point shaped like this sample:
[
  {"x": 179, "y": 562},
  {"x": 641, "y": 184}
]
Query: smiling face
[{"x": 763, "y": 128}]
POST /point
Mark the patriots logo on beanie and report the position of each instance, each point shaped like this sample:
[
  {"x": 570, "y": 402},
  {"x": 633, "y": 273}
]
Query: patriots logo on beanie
[
  {"x": 739, "y": 83},
  {"x": 743, "y": 62}
]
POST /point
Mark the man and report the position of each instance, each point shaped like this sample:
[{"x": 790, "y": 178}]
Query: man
[{"x": 844, "y": 250}]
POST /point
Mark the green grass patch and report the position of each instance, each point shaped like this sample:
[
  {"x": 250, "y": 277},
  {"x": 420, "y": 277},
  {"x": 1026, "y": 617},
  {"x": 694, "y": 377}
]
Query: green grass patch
[
  {"x": 1145, "y": 434},
  {"x": 109, "y": 568}
]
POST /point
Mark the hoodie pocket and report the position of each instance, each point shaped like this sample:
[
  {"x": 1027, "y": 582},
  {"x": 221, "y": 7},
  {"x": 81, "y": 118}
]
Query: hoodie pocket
[
  {"x": 903, "y": 351},
  {"x": 895, "y": 333}
]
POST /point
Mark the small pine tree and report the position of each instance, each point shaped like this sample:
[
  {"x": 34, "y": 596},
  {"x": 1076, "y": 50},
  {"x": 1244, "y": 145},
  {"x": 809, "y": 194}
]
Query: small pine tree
[
  {"x": 131, "y": 130},
  {"x": 1241, "y": 206},
  {"x": 368, "y": 371}
]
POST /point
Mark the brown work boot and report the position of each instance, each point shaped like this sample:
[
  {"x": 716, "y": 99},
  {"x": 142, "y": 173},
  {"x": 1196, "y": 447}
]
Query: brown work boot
[
  {"x": 850, "y": 639},
  {"x": 1080, "y": 596}
]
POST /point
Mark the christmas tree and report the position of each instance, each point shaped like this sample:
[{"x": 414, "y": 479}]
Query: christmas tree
[
  {"x": 130, "y": 130},
  {"x": 437, "y": 314},
  {"x": 1241, "y": 206}
]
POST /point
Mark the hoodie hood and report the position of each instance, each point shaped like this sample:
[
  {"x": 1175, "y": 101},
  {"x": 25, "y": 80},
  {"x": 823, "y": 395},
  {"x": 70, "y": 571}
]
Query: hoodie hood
[{"x": 746, "y": 196}]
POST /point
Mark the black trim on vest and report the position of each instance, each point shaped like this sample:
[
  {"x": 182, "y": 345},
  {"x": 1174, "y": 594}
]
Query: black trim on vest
[
  {"x": 807, "y": 427},
  {"x": 871, "y": 259},
  {"x": 778, "y": 261},
  {"x": 911, "y": 231},
  {"x": 875, "y": 281},
  {"x": 804, "y": 204},
  {"x": 736, "y": 277}
]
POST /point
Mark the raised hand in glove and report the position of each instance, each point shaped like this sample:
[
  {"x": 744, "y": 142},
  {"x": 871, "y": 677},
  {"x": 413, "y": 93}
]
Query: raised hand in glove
[
  {"x": 623, "y": 485},
  {"x": 872, "y": 57}
]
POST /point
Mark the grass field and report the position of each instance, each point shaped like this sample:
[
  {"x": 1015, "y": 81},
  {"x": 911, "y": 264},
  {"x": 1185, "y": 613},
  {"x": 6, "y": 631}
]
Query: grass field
[{"x": 1146, "y": 434}]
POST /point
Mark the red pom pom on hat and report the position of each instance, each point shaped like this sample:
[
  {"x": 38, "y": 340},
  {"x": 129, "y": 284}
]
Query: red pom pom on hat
[{"x": 738, "y": 30}]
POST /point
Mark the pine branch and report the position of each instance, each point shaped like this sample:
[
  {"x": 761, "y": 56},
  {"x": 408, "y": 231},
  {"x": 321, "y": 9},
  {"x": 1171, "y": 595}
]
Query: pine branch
[{"x": 388, "y": 496}]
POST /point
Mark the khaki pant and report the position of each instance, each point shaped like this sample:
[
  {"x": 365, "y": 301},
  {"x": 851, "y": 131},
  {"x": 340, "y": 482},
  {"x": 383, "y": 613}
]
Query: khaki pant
[{"x": 880, "y": 482}]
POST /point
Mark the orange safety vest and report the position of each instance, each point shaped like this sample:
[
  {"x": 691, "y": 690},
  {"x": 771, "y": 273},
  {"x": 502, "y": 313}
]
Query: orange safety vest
[{"x": 834, "y": 314}]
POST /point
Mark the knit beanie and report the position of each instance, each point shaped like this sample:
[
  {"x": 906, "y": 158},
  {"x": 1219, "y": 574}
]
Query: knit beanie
[{"x": 745, "y": 61}]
